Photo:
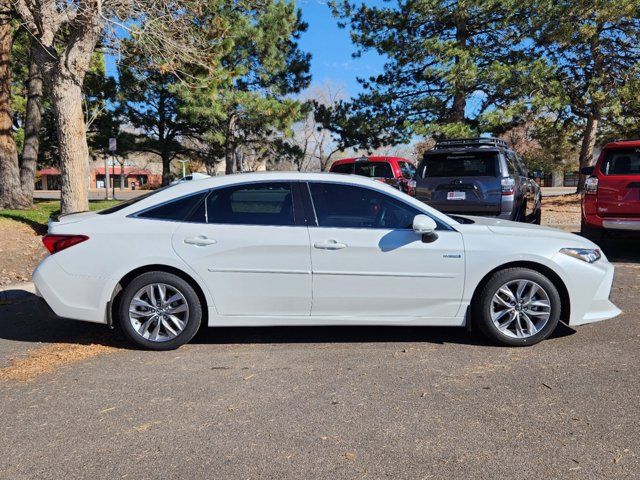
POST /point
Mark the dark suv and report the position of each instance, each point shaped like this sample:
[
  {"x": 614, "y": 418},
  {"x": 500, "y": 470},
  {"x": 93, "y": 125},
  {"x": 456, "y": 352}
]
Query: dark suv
[{"x": 478, "y": 176}]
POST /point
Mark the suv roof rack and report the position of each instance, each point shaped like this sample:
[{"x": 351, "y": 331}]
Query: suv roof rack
[{"x": 470, "y": 142}]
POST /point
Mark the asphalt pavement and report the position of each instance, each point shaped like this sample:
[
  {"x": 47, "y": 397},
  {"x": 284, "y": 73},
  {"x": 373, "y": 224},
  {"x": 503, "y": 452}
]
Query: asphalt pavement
[{"x": 326, "y": 403}]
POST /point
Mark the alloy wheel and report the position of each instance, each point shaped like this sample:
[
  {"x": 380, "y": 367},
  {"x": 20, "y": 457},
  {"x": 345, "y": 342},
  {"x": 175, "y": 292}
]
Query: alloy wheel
[
  {"x": 158, "y": 312},
  {"x": 520, "y": 308}
]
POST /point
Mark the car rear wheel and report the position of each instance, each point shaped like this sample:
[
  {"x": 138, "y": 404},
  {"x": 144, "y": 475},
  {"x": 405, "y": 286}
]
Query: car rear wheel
[
  {"x": 160, "y": 311},
  {"x": 517, "y": 307}
]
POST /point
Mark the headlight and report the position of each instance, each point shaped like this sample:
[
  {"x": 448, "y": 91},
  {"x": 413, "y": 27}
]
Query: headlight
[{"x": 589, "y": 255}]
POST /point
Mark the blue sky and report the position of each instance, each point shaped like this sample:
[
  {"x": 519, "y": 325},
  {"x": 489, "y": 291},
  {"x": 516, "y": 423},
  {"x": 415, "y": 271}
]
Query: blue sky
[{"x": 331, "y": 49}]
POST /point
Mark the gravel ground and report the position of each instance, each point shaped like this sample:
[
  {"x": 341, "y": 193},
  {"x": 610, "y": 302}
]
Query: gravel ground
[
  {"x": 78, "y": 402},
  {"x": 20, "y": 251},
  {"x": 562, "y": 210}
]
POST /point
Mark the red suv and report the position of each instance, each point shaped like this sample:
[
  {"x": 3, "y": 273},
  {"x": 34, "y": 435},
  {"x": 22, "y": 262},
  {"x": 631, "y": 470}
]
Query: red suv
[
  {"x": 611, "y": 199},
  {"x": 395, "y": 171}
]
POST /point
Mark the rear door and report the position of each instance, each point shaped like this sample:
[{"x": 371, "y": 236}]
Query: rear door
[
  {"x": 253, "y": 250},
  {"x": 619, "y": 183},
  {"x": 461, "y": 182}
]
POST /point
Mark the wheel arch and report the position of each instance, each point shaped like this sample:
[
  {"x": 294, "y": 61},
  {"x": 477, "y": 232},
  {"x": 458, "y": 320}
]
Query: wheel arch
[
  {"x": 565, "y": 300},
  {"x": 124, "y": 281}
]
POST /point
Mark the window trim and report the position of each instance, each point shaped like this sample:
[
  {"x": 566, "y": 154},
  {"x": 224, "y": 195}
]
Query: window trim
[{"x": 441, "y": 225}]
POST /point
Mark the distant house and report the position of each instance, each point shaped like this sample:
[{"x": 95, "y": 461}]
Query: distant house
[{"x": 49, "y": 178}]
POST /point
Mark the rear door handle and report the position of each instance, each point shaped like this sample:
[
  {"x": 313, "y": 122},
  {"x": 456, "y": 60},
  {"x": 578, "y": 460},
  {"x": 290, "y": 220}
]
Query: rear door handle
[
  {"x": 330, "y": 245},
  {"x": 200, "y": 241}
]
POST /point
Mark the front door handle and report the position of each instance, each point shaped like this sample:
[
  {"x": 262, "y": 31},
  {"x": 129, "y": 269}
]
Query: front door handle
[
  {"x": 200, "y": 241},
  {"x": 330, "y": 245}
]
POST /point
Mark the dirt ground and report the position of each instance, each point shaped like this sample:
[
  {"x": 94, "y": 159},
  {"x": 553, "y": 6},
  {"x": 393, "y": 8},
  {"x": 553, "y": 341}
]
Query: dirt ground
[
  {"x": 20, "y": 251},
  {"x": 561, "y": 210}
]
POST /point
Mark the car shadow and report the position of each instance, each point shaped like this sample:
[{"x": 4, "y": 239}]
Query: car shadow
[
  {"x": 23, "y": 319},
  {"x": 621, "y": 249}
]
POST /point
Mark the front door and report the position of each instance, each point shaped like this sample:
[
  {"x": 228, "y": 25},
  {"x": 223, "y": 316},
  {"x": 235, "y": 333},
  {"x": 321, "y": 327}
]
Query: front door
[
  {"x": 251, "y": 253},
  {"x": 367, "y": 261}
]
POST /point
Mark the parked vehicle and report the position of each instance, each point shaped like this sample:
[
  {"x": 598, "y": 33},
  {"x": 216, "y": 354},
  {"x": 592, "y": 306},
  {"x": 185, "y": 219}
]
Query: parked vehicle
[
  {"x": 478, "y": 176},
  {"x": 611, "y": 199},
  {"x": 288, "y": 248},
  {"x": 395, "y": 171}
]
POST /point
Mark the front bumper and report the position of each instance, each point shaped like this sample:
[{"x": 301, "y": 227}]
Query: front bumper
[{"x": 589, "y": 287}]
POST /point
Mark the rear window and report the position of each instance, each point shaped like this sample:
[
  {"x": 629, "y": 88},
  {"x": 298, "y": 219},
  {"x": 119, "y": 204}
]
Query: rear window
[
  {"x": 123, "y": 205},
  {"x": 622, "y": 162},
  {"x": 365, "y": 169},
  {"x": 477, "y": 164}
]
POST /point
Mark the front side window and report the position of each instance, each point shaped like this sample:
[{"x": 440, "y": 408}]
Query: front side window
[
  {"x": 350, "y": 206},
  {"x": 185, "y": 209},
  {"x": 622, "y": 162},
  {"x": 252, "y": 204}
]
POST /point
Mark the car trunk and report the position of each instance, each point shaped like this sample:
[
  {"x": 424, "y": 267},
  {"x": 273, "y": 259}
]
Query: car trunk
[
  {"x": 619, "y": 184},
  {"x": 461, "y": 182}
]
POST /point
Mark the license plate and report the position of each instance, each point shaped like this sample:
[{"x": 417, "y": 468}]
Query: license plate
[{"x": 456, "y": 196}]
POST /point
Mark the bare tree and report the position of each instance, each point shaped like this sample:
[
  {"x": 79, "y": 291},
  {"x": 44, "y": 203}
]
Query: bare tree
[
  {"x": 159, "y": 24},
  {"x": 316, "y": 143}
]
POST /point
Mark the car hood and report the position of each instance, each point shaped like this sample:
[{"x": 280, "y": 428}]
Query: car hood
[{"x": 507, "y": 227}]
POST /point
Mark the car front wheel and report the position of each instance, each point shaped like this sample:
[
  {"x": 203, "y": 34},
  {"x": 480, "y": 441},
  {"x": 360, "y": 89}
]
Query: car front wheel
[
  {"x": 517, "y": 307},
  {"x": 159, "y": 311}
]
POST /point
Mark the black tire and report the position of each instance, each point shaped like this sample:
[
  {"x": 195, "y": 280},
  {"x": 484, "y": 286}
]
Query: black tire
[
  {"x": 596, "y": 235},
  {"x": 481, "y": 307},
  {"x": 193, "y": 316},
  {"x": 537, "y": 219}
]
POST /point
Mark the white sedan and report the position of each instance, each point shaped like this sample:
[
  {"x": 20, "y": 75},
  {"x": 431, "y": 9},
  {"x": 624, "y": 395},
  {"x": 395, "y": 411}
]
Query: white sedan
[{"x": 314, "y": 249}]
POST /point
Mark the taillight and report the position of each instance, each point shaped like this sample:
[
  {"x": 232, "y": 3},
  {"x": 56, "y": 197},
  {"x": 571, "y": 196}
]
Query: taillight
[
  {"x": 57, "y": 243},
  {"x": 591, "y": 185},
  {"x": 508, "y": 186}
]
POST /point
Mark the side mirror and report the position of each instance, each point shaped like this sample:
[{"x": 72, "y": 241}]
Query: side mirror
[
  {"x": 425, "y": 226},
  {"x": 587, "y": 170}
]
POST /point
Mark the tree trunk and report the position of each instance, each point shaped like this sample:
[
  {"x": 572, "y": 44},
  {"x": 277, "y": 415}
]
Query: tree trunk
[
  {"x": 33, "y": 121},
  {"x": 72, "y": 141},
  {"x": 588, "y": 144},
  {"x": 230, "y": 161},
  {"x": 459, "y": 105},
  {"x": 166, "y": 166},
  {"x": 10, "y": 191}
]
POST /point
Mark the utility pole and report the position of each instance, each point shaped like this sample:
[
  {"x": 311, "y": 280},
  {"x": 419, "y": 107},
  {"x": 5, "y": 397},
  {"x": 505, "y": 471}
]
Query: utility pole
[
  {"x": 106, "y": 176},
  {"x": 112, "y": 149}
]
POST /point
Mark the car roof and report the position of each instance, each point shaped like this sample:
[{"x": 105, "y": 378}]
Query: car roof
[
  {"x": 631, "y": 143},
  {"x": 469, "y": 149},
  {"x": 371, "y": 159}
]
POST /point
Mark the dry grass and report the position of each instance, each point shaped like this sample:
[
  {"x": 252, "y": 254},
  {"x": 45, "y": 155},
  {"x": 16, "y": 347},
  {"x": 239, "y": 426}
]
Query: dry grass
[{"x": 47, "y": 359}]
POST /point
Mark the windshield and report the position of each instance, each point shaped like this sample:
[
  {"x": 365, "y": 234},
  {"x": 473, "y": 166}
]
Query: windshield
[
  {"x": 622, "y": 162},
  {"x": 365, "y": 169},
  {"x": 474, "y": 164}
]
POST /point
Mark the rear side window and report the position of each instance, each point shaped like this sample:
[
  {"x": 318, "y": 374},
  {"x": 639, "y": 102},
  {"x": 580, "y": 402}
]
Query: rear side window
[
  {"x": 475, "y": 164},
  {"x": 185, "y": 209},
  {"x": 408, "y": 170},
  {"x": 622, "y": 162},
  {"x": 252, "y": 204}
]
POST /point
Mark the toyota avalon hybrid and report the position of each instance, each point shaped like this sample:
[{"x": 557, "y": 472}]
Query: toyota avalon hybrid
[{"x": 314, "y": 249}]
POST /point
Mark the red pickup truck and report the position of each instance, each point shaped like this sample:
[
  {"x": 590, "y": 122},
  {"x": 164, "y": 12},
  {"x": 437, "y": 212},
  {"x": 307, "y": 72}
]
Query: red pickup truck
[
  {"x": 611, "y": 199},
  {"x": 395, "y": 171}
]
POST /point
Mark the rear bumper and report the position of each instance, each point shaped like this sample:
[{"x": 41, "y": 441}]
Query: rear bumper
[
  {"x": 70, "y": 296},
  {"x": 614, "y": 224}
]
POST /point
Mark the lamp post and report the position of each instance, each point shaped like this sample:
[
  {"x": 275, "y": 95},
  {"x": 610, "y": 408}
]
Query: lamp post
[
  {"x": 184, "y": 172},
  {"x": 112, "y": 149}
]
